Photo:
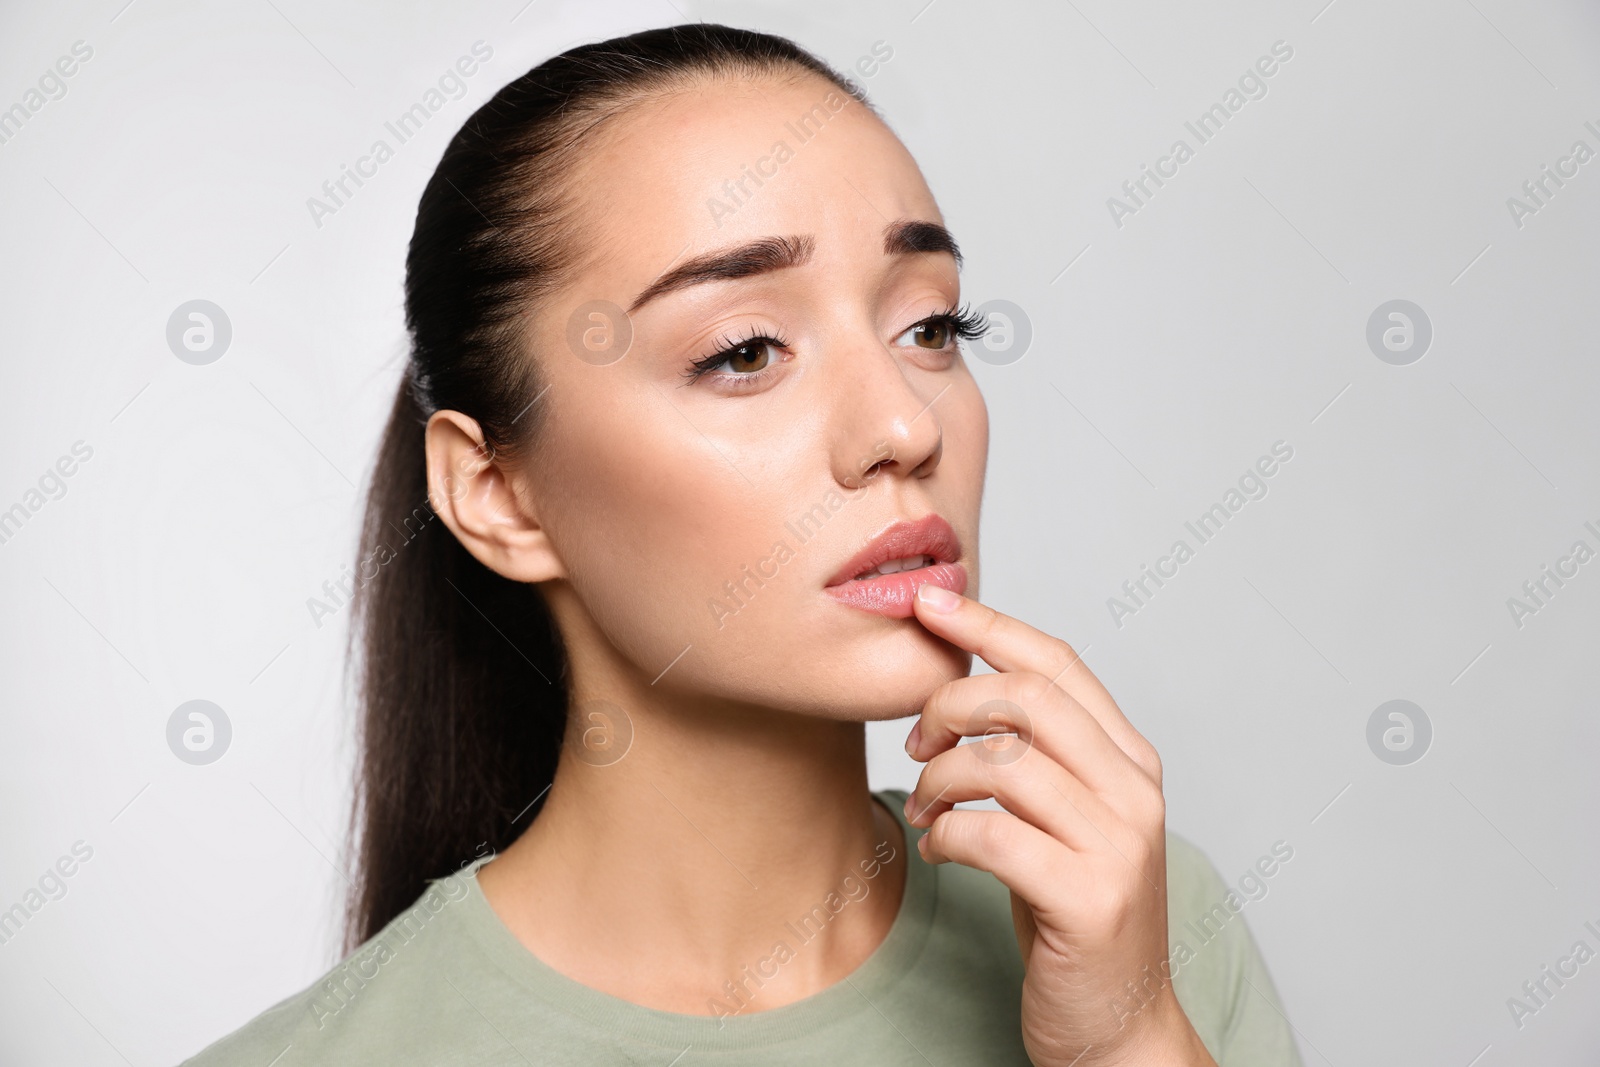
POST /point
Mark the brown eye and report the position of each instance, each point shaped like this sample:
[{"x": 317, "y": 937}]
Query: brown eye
[
  {"x": 739, "y": 359},
  {"x": 938, "y": 332},
  {"x": 749, "y": 357}
]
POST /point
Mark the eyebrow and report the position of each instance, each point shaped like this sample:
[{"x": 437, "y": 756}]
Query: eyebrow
[{"x": 765, "y": 254}]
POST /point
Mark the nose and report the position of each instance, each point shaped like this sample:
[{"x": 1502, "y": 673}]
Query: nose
[{"x": 885, "y": 417}]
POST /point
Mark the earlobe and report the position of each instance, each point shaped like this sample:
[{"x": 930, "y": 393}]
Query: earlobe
[{"x": 477, "y": 499}]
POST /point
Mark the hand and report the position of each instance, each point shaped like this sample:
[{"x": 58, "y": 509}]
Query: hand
[{"x": 1081, "y": 843}]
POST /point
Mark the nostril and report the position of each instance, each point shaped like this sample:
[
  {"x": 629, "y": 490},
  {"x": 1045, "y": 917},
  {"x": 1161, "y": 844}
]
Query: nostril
[{"x": 870, "y": 473}]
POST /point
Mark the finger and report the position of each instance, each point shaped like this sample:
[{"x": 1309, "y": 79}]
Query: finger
[
  {"x": 1040, "y": 714},
  {"x": 1035, "y": 788},
  {"x": 1008, "y": 644},
  {"x": 1028, "y": 861}
]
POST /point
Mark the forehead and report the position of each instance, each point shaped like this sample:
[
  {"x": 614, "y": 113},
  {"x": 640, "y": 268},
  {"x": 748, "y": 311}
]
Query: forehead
[{"x": 728, "y": 159}]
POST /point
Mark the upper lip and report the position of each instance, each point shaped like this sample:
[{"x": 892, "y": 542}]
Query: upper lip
[{"x": 927, "y": 536}]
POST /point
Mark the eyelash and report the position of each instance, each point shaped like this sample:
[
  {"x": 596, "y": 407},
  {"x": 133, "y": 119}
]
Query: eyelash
[{"x": 964, "y": 322}]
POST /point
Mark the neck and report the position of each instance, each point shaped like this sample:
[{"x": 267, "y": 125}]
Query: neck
[{"x": 719, "y": 837}]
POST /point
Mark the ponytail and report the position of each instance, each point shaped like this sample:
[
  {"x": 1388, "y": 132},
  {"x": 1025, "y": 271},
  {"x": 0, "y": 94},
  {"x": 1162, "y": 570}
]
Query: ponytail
[
  {"x": 462, "y": 687},
  {"x": 463, "y": 706}
]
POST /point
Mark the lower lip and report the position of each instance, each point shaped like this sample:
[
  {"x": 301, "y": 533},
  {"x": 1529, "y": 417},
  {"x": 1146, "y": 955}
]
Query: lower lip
[{"x": 892, "y": 594}]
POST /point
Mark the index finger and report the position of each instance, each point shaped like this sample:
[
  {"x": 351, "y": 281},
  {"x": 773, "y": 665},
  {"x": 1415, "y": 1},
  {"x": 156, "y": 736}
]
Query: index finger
[{"x": 1008, "y": 644}]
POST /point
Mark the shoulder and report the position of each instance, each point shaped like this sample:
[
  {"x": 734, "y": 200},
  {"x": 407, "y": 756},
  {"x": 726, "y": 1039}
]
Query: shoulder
[
  {"x": 358, "y": 1011},
  {"x": 1217, "y": 970},
  {"x": 1202, "y": 910}
]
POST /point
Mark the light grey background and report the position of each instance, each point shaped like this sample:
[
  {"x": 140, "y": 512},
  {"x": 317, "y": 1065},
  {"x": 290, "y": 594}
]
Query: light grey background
[{"x": 1168, "y": 354}]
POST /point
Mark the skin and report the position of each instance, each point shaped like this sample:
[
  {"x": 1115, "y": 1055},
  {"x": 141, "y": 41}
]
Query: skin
[{"x": 740, "y": 798}]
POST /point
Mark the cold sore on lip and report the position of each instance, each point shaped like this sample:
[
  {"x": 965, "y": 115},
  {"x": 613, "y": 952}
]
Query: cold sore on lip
[{"x": 883, "y": 577}]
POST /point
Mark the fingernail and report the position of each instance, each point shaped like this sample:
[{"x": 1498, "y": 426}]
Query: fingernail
[
  {"x": 914, "y": 738},
  {"x": 938, "y": 597},
  {"x": 910, "y": 803}
]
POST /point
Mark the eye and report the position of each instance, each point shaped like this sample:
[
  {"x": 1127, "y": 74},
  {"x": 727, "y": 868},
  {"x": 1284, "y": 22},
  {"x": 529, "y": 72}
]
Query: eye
[
  {"x": 737, "y": 359},
  {"x": 939, "y": 332},
  {"x": 935, "y": 333},
  {"x": 750, "y": 356}
]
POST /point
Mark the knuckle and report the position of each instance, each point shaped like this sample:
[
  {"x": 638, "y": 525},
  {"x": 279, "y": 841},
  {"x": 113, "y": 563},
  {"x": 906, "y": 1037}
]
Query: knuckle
[
  {"x": 990, "y": 760},
  {"x": 988, "y": 619},
  {"x": 1138, "y": 850},
  {"x": 1074, "y": 668},
  {"x": 936, "y": 709},
  {"x": 928, "y": 780},
  {"x": 1150, "y": 759},
  {"x": 1026, "y": 687},
  {"x": 1149, "y": 803},
  {"x": 995, "y": 838},
  {"x": 943, "y": 766},
  {"x": 1001, "y": 734},
  {"x": 955, "y": 699},
  {"x": 948, "y": 693}
]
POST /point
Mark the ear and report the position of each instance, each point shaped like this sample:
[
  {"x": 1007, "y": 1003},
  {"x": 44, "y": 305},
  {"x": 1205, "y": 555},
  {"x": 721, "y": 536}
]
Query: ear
[{"x": 488, "y": 511}]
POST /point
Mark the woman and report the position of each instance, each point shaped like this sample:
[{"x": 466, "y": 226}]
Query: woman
[{"x": 686, "y": 394}]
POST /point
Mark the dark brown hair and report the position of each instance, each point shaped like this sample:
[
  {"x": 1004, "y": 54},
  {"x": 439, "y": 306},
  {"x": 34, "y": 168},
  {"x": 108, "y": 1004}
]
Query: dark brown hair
[{"x": 462, "y": 681}]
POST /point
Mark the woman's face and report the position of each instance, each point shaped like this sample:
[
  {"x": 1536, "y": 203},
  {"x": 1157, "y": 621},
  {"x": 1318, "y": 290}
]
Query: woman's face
[{"x": 703, "y": 508}]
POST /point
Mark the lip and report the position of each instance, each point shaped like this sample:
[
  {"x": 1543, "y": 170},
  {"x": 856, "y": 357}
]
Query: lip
[{"x": 891, "y": 595}]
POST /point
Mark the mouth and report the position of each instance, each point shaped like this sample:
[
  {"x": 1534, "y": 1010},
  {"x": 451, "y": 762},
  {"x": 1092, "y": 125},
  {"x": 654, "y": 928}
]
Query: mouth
[{"x": 883, "y": 577}]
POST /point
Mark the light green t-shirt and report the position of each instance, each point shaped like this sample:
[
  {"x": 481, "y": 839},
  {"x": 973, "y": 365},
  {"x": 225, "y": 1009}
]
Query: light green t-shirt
[{"x": 447, "y": 983}]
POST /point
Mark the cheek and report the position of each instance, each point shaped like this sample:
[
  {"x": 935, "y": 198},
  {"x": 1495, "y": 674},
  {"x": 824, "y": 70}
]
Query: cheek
[
  {"x": 973, "y": 418},
  {"x": 673, "y": 542},
  {"x": 653, "y": 524},
  {"x": 965, "y": 421}
]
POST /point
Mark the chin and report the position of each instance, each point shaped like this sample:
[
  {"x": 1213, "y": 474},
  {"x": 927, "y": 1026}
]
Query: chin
[{"x": 895, "y": 677}]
